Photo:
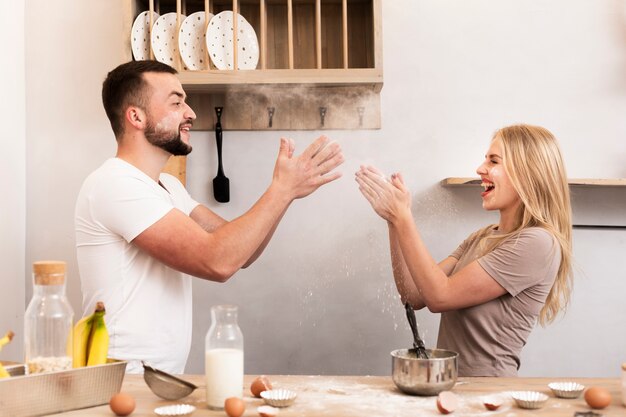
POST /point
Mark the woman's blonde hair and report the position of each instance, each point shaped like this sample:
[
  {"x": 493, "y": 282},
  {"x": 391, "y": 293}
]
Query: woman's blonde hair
[{"x": 532, "y": 159}]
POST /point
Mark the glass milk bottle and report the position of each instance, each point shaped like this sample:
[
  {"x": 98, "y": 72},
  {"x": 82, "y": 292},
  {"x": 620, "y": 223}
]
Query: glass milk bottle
[
  {"x": 223, "y": 357},
  {"x": 48, "y": 320}
]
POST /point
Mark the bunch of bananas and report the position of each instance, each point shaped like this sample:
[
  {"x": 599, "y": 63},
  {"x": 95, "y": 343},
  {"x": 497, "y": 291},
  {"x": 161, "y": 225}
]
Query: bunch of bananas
[
  {"x": 5, "y": 340},
  {"x": 91, "y": 339}
]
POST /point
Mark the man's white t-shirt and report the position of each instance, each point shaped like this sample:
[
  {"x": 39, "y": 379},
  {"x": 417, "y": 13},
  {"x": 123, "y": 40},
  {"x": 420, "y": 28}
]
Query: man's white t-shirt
[{"x": 148, "y": 304}]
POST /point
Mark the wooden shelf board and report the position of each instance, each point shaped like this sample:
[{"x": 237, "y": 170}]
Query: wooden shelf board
[
  {"x": 575, "y": 182},
  {"x": 220, "y": 80},
  {"x": 460, "y": 181},
  {"x": 593, "y": 182}
]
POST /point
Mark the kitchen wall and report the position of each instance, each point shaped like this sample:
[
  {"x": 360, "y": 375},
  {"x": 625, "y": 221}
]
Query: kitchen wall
[
  {"x": 321, "y": 299},
  {"x": 13, "y": 171}
]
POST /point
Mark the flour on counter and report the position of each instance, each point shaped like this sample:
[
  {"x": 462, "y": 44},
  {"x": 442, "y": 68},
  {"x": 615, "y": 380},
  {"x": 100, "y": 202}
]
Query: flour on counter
[{"x": 329, "y": 397}]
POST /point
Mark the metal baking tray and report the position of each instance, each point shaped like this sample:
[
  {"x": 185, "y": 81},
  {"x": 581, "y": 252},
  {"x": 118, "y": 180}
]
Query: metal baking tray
[
  {"x": 55, "y": 392},
  {"x": 15, "y": 369}
]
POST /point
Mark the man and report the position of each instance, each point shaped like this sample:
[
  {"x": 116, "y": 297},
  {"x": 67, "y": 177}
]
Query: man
[{"x": 138, "y": 232}]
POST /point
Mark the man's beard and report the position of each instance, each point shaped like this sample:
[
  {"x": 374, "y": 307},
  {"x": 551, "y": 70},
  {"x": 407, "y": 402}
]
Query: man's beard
[{"x": 168, "y": 141}]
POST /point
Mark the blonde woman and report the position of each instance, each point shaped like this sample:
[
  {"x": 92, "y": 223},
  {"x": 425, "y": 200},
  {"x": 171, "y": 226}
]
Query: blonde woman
[{"x": 503, "y": 278}]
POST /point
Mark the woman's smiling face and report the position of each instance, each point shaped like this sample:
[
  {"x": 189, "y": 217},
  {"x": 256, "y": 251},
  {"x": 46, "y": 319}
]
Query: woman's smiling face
[{"x": 498, "y": 193}]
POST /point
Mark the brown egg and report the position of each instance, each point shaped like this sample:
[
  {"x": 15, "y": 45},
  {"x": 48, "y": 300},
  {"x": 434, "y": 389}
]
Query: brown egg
[
  {"x": 447, "y": 402},
  {"x": 597, "y": 397},
  {"x": 234, "y": 407},
  {"x": 492, "y": 403},
  {"x": 260, "y": 384},
  {"x": 122, "y": 404}
]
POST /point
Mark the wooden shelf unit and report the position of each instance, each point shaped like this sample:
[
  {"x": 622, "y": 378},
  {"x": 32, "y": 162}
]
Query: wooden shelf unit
[
  {"x": 316, "y": 56},
  {"x": 574, "y": 182}
]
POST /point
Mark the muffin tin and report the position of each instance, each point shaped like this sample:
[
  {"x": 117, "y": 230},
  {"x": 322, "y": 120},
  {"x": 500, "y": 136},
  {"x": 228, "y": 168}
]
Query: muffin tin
[
  {"x": 531, "y": 400},
  {"x": 279, "y": 397},
  {"x": 566, "y": 389}
]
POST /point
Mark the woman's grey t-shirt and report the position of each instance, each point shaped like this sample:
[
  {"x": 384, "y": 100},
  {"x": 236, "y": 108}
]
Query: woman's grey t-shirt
[{"x": 489, "y": 337}]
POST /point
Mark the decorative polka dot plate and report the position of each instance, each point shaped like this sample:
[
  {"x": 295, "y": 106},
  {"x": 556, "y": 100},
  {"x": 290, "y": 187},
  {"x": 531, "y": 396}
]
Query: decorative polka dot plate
[
  {"x": 192, "y": 41},
  {"x": 219, "y": 41},
  {"x": 140, "y": 35},
  {"x": 164, "y": 44}
]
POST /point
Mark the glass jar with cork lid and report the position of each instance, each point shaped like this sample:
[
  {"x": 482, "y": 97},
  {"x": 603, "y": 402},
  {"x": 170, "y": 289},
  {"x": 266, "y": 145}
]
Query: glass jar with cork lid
[{"x": 48, "y": 320}]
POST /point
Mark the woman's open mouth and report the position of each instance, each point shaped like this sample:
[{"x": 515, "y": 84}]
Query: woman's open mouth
[{"x": 488, "y": 186}]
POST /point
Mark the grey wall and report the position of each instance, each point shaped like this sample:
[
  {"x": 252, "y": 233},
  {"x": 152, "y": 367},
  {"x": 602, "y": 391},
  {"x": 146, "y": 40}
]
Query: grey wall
[
  {"x": 13, "y": 171},
  {"x": 321, "y": 299}
]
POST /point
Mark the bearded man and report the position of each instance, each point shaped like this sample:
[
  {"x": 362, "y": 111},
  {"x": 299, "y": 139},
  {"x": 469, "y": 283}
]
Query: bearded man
[{"x": 140, "y": 235}]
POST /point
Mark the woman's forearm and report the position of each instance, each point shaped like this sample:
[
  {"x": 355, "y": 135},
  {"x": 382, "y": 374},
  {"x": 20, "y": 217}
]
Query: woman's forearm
[
  {"x": 429, "y": 279},
  {"x": 401, "y": 275}
]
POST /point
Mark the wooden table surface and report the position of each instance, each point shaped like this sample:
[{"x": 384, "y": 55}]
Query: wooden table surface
[{"x": 375, "y": 396}]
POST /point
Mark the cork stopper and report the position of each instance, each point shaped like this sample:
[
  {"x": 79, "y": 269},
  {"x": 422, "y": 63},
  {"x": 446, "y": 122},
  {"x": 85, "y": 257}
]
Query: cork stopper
[{"x": 49, "y": 272}]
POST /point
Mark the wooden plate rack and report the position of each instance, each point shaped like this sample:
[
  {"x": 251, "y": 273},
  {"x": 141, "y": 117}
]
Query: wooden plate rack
[{"x": 320, "y": 65}]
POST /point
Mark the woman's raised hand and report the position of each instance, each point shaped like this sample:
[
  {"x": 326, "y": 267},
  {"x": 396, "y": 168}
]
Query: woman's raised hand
[{"x": 390, "y": 199}]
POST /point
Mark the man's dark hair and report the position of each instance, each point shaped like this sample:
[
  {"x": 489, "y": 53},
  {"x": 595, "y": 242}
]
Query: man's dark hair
[{"x": 125, "y": 86}]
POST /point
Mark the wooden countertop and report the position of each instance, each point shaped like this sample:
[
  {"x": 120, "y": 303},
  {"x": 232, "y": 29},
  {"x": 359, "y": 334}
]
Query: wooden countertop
[{"x": 375, "y": 396}]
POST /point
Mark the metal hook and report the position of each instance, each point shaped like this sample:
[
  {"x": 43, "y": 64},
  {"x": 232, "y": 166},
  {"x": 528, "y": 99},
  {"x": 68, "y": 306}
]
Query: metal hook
[
  {"x": 361, "y": 112},
  {"x": 270, "y": 113},
  {"x": 322, "y": 114}
]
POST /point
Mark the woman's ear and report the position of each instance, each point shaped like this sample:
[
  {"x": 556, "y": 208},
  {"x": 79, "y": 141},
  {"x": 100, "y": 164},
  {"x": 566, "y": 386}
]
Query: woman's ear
[{"x": 136, "y": 117}]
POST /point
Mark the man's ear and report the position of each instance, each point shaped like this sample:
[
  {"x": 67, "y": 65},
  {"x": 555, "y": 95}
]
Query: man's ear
[{"x": 136, "y": 117}]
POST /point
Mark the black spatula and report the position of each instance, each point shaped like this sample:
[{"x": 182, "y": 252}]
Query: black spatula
[{"x": 221, "y": 185}]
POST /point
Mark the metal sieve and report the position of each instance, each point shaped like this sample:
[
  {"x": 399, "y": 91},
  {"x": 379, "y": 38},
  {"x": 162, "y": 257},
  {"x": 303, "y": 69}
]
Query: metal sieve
[{"x": 165, "y": 385}]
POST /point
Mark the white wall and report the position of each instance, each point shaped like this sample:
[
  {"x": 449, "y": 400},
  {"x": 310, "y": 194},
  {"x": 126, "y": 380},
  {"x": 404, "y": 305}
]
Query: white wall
[
  {"x": 70, "y": 47},
  {"x": 321, "y": 299},
  {"x": 13, "y": 163}
]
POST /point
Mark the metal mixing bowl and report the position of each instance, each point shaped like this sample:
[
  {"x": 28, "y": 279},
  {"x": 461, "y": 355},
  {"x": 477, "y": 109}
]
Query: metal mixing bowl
[{"x": 424, "y": 376}]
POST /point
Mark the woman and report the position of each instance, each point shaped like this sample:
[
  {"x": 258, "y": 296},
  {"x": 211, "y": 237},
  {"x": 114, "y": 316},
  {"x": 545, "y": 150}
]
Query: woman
[{"x": 492, "y": 289}]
